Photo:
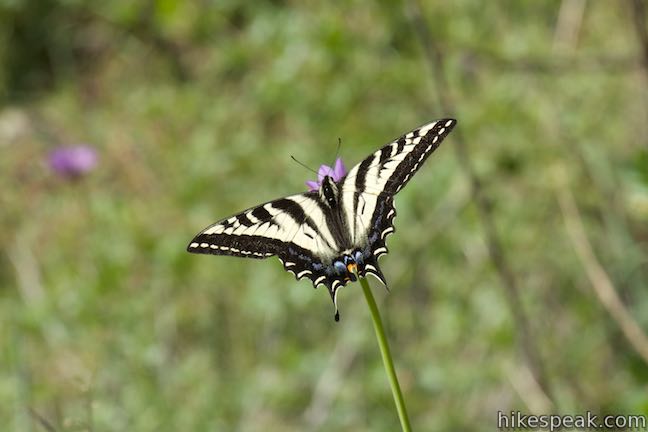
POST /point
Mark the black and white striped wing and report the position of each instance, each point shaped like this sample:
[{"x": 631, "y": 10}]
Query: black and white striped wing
[
  {"x": 369, "y": 187},
  {"x": 292, "y": 228}
]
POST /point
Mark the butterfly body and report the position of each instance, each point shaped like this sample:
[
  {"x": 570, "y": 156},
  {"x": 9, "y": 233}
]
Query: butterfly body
[{"x": 336, "y": 233}]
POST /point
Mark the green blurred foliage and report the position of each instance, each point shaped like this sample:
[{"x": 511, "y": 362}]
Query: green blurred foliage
[{"x": 106, "y": 323}]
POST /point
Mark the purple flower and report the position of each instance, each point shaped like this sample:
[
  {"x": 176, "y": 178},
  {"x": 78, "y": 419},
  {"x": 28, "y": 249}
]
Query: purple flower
[
  {"x": 73, "y": 161},
  {"x": 336, "y": 173}
]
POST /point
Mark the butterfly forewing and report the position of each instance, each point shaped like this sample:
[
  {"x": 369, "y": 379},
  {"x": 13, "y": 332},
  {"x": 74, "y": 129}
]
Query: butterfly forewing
[
  {"x": 384, "y": 173},
  {"x": 254, "y": 233},
  {"x": 293, "y": 228}
]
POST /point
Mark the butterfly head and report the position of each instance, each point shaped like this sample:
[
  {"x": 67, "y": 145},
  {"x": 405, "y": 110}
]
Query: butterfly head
[{"x": 329, "y": 191}]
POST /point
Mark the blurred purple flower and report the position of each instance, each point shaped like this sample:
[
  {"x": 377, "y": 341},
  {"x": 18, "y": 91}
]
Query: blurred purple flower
[
  {"x": 73, "y": 161},
  {"x": 336, "y": 173}
]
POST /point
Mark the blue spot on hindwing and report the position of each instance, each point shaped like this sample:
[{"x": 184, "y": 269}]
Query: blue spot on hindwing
[{"x": 340, "y": 267}]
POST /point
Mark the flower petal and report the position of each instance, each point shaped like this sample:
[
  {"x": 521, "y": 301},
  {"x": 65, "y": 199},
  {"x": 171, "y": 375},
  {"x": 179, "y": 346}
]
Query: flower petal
[
  {"x": 339, "y": 170},
  {"x": 312, "y": 185},
  {"x": 324, "y": 170},
  {"x": 73, "y": 161}
]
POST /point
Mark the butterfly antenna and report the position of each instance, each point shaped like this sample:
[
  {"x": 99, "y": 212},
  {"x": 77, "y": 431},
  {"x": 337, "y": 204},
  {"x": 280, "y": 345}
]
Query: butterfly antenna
[
  {"x": 302, "y": 164},
  {"x": 337, "y": 152}
]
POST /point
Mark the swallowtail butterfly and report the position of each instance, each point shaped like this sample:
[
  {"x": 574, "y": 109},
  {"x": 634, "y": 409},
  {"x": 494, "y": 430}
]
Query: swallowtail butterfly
[{"x": 331, "y": 234}]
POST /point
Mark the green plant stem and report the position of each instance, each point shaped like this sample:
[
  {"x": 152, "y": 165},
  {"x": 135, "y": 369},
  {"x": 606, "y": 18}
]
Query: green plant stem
[{"x": 386, "y": 357}]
